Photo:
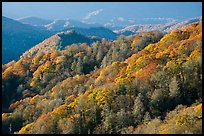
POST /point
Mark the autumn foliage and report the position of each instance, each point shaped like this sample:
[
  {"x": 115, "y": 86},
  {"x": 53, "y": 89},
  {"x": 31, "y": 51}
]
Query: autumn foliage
[{"x": 150, "y": 83}]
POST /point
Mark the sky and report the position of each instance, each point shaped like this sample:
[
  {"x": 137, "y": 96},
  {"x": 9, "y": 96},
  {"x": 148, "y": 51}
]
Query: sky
[{"x": 103, "y": 11}]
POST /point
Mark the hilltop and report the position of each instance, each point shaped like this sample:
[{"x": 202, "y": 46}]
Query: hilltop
[{"x": 60, "y": 41}]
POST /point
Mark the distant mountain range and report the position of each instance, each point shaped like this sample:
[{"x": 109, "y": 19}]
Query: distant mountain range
[
  {"x": 35, "y": 21},
  {"x": 55, "y": 25},
  {"x": 167, "y": 27},
  {"x": 18, "y": 37},
  {"x": 22, "y": 34},
  {"x": 68, "y": 24},
  {"x": 118, "y": 25}
]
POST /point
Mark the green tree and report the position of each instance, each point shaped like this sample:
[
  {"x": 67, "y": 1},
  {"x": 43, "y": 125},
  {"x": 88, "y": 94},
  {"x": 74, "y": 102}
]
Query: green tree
[
  {"x": 99, "y": 55},
  {"x": 147, "y": 117},
  {"x": 79, "y": 66},
  {"x": 121, "y": 90},
  {"x": 68, "y": 126},
  {"x": 73, "y": 66},
  {"x": 122, "y": 120},
  {"x": 174, "y": 88},
  {"x": 104, "y": 62},
  {"x": 138, "y": 109},
  {"x": 109, "y": 123}
]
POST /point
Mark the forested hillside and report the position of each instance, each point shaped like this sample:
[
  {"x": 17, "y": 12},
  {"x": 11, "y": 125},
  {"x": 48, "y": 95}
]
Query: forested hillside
[
  {"x": 150, "y": 83},
  {"x": 60, "y": 41},
  {"x": 19, "y": 36}
]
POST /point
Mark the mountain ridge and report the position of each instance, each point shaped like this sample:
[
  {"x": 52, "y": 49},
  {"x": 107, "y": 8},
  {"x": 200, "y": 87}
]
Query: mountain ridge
[
  {"x": 167, "y": 27},
  {"x": 59, "y": 41},
  {"x": 15, "y": 35}
]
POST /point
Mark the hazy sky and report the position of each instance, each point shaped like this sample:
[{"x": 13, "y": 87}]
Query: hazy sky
[{"x": 102, "y": 10}]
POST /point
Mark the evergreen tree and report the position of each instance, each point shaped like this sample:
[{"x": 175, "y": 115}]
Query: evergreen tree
[
  {"x": 122, "y": 120},
  {"x": 138, "y": 109},
  {"x": 104, "y": 62},
  {"x": 174, "y": 88},
  {"x": 73, "y": 66},
  {"x": 99, "y": 55},
  {"x": 79, "y": 66},
  {"x": 108, "y": 120},
  {"x": 147, "y": 117}
]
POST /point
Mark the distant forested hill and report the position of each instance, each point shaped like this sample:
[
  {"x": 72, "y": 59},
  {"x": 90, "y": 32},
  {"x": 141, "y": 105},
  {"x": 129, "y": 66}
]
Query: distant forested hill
[{"x": 18, "y": 37}]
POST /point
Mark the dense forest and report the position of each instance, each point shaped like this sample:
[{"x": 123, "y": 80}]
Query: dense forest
[{"x": 148, "y": 83}]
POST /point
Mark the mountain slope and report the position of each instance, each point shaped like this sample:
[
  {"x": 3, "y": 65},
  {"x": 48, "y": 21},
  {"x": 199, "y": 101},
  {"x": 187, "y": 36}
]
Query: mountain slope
[
  {"x": 60, "y": 41},
  {"x": 157, "y": 89},
  {"x": 18, "y": 37}
]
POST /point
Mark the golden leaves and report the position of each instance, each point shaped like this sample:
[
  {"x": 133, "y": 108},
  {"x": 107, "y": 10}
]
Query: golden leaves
[{"x": 26, "y": 128}]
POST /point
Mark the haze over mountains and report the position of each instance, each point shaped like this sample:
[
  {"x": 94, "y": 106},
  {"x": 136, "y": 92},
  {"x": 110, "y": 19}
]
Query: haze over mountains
[
  {"x": 35, "y": 21},
  {"x": 115, "y": 24},
  {"x": 166, "y": 27},
  {"x": 125, "y": 27},
  {"x": 18, "y": 37},
  {"x": 26, "y": 32},
  {"x": 30, "y": 31},
  {"x": 55, "y": 25}
]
